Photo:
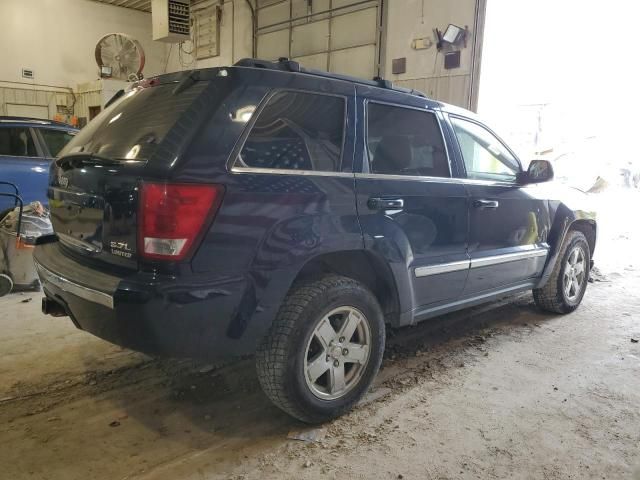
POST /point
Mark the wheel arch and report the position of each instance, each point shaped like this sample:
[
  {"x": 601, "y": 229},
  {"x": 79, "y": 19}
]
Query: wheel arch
[
  {"x": 365, "y": 267},
  {"x": 566, "y": 221},
  {"x": 589, "y": 229}
]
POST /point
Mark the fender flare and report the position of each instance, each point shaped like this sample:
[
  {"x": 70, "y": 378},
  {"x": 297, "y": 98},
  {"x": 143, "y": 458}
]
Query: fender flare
[{"x": 565, "y": 221}]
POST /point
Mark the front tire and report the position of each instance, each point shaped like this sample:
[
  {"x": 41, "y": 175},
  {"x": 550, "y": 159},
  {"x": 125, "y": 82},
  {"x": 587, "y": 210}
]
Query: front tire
[
  {"x": 323, "y": 350},
  {"x": 565, "y": 289}
]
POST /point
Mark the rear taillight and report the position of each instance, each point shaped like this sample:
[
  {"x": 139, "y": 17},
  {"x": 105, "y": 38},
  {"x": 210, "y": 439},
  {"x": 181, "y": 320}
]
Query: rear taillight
[{"x": 172, "y": 216}]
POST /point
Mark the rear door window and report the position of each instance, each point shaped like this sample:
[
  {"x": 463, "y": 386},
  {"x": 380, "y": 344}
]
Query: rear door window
[
  {"x": 296, "y": 131},
  {"x": 405, "y": 141},
  {"x": 17, "y": 142},
  {"x": 56, "y": 139}
]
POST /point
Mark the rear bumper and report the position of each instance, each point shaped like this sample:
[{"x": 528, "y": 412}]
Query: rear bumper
[
  {"x": 192, "y": 317},
  {"x": 49, "y": 278}
]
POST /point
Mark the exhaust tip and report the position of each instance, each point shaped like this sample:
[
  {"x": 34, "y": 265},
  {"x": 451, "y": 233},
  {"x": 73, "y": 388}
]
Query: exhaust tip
[{"x": 53, "y": 308}]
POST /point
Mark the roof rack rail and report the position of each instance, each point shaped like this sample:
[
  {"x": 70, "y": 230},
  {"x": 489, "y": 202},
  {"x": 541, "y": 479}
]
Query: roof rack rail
[{"x": 285, "y": 65}]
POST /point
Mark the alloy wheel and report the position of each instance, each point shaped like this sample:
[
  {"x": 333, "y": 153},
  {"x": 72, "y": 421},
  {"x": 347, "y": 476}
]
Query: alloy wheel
[
  {"x": 337, "y": 353},
  {"x": 575, "y": 273}
]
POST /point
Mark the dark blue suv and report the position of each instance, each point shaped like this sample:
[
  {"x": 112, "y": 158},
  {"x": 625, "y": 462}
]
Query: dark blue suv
[
  {"x": 27, "y": 146},
  {"x": 269, "y": 209}
]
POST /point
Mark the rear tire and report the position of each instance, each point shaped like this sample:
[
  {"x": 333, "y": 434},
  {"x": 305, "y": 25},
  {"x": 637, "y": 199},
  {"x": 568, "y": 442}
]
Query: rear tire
[
  {"x": 567, "y": 284},
  {"x": 323, "y": 350}
]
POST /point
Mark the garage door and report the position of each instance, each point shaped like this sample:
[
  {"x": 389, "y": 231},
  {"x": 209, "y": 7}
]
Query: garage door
[
  {"x": 33, "y": 111},
  {"x": 341, "y": 36}
]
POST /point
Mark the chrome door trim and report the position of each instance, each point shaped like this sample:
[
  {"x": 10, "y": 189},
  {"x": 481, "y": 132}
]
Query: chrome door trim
[
  {"x": 387, "y": 176},
  {"x": 479, "y": 262},
  {"x": 442, "y": 268},
  {"x": 508, "y": 257},
  {"x": 451, "y": 180},
  {"x": 279, "y": 171},
  {"x": 81, "y": 291}
]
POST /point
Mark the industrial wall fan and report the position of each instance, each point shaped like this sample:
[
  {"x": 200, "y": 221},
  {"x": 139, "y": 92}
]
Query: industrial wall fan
[{"x": 120, "y": 56}]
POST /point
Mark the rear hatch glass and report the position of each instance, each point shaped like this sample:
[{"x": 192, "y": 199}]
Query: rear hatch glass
[{"x": 136, "y": 124}]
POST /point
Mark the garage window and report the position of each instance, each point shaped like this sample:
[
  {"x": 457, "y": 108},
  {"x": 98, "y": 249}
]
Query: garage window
[
  {"x": 404, "y": 141},
  {"x": 17, "y": 142},
  {"x": 296, "y": 131}
]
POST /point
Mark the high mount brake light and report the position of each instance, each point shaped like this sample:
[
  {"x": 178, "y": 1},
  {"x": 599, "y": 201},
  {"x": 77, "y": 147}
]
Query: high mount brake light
[{"x": 172, "y": 216}]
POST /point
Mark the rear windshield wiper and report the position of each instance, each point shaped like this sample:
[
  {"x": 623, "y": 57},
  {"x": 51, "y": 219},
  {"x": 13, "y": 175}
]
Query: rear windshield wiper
[{"x": 75, "y": 160}]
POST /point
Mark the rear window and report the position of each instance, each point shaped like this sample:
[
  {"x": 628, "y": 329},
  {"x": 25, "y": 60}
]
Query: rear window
[
  {"x": 296, "y": 131},
  {"x": 134, "y": 125},
  {"x": 404, "y": 141}
]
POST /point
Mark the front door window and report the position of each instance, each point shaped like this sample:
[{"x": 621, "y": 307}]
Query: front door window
[{"x": 485, "y": 157}]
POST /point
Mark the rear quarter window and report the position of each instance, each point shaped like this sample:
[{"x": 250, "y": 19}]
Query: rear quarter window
[{"x": 296, "y": 131}]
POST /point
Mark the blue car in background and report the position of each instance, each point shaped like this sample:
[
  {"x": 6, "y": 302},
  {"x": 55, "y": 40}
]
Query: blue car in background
[{"x": 27, "y": 146}]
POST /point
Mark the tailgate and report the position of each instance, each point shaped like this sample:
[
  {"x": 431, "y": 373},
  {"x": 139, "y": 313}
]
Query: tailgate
[{"x": 93, "y": 185}]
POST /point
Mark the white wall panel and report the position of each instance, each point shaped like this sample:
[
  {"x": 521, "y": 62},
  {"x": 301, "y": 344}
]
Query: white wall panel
[
  {"x": 317, "y": 61},
  {"x": 310, "y": 38},
  {"x": 412, "y": 19},
  {"x": 358, "y": 61},
  {"x": 273, "y": 45},
  {"x": 343, "y": 5},
  {"x": 358, "y": 28},
  {"x": 273, "y": 14}
]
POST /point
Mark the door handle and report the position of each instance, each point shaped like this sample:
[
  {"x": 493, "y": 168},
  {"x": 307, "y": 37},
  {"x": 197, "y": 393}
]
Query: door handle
[
  {"x": 376, "y": 203},
  {"x": 486, "y": 204}
]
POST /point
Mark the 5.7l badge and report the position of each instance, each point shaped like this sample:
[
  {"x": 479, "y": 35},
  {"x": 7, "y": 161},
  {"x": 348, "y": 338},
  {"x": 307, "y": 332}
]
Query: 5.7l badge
[
  {"x": 121, "y": 249},
  {"x": 62, "y": 180}
]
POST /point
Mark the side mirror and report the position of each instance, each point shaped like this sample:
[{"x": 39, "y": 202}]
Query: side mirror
[{"x": 539, "y": 171}]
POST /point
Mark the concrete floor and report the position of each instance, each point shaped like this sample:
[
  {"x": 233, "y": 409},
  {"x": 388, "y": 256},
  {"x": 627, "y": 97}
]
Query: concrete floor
[{"x": 499, "y": 391}]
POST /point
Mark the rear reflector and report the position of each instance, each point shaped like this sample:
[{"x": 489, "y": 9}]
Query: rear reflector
[{"x": 172, "y": 216}]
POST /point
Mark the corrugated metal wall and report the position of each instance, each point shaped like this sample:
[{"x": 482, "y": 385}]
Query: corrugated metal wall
[
  {"x": 89, "y": 95},
  {"x": 37, "y": 96}
]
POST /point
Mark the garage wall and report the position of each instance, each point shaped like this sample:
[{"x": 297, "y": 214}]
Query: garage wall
[
  {"x": 320, "y": 34},
  {"x": 354, "y": 37},
  {"x": 407, "y": 20},
  {"x": 56, "y": 39}
]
